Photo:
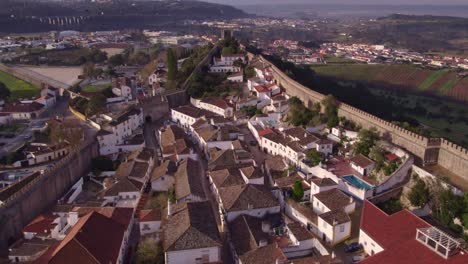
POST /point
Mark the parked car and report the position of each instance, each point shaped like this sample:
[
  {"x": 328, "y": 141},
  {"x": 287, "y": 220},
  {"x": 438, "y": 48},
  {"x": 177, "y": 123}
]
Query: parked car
[
  {"x": 357, "y": 258},
  {"x": 353, "y": 247}
]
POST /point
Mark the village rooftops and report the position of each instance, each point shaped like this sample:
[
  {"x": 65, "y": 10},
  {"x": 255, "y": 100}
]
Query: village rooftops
[
  {"x": 246, "y": 197},
  {"x": 252, "y": 172},
  {"x": 150, "y": 215},
  {"x": 218, "y": 102},
  {"x": 335, "y": 217},
  {"x": 288, "y": 181},
  {"x": 323, "y": 182},
  {"x": 226, "y": 178},
  {"x": 124, "y": 116},
  {"x": 396, "y": 234},
  {"x": 22, "y": 107},
  {"x": 139, "y": 170},
  {"x": 41, "y": 225},
  {"x": 334, "y": 199},
  {"x": 191, "y": 226},
  {"x": 299, "y": 231},
  {"x": 118, "y": 214},
  {"x": 265, "y": 255},
  {"x": 303, "y": 209},
  {"x": 193, "y": 111},
  {"x": 94, "y": 239},
  {"x": 361, "y": 161},
  {"x": 187, "y": 180},
  {"x": 166, "y": 167},
  {"x": 123, "y": 185}
]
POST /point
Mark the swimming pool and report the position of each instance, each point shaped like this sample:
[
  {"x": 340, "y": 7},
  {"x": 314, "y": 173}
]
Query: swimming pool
[{"x": 356, "y": 182}]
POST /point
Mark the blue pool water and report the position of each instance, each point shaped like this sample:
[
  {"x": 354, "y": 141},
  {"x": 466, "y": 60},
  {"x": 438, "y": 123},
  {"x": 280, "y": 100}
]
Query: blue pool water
[{"x": 356, "y": 182}]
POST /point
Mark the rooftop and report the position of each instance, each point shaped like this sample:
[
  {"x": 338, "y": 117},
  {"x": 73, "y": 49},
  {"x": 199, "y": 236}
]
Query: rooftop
[{"x": 334, "y": 199}]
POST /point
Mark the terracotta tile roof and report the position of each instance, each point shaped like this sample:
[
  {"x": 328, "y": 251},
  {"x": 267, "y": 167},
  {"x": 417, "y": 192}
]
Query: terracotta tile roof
[
  {"x": 187, "y": 180},
  {"x": 139, "y": 170},
  {"x": 120, "y": 215},
  {"x": 41, "y": 225},
  {"x": 249, "y": 196},
  {"x": 265, "y": 255},
  {"x": 191, "y": 225},
  {"x": 218, "y": 102},
  {"x": 226, "y": 177},
  {"x": 334, "y": 199},
  {"x": 246, "y": 233},
  {"x": 94, "y": 239},
  {"x": 124, "y": 169},
  {"x": 261, "y": 89},
  {"x": 322, "y": 182},
  {"x": 264, "y": 132},
  {"x": 303, "y": 209},
  {"x": 361, "y": 161},
  {"x": 252, "y": 172},
  {"x": 22, "y": 108},
  {"x": 146, "y": 154},
  {"x": 335, "y": 217},
  {"x": 123, "y": 185},
  {"x": 300, "y": 233},
  {"x": 396, "y": 233},
  {"x": 193, "y": 111},
  {"x": 276, "y": 163},
  {"x": 150, "y": 215},
  {"x": 288, "y": 181},
  {"x": 166, "y": 168}
]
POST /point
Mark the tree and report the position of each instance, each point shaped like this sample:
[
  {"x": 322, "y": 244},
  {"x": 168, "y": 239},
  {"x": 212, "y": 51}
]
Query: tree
[
  {"x": 447, "y": 206},
  {"x": 366, "y": 140},
  {"x": 298, "y": 191},
  {"x": 89, "y": 70},
  {"x": 116, "y": 60},
  {"x": 377, "y": 153},
  {"x": 419, "y": 194},
  {"x": 171, "y": 65},
  {"x": 95, "y": 104},
  {"x": 331, "y": 110},
  {"x": 4, "y": 91},
  {"x": 314, "y": 157},
  {"x": 249, "y": 72},
  {"x": 140, "y": 58},
  {"x": 149, "y": 252}
]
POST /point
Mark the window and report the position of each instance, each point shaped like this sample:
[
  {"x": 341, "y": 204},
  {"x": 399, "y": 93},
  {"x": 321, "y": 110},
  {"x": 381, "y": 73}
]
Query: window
[{"x": 342, "y": 227}]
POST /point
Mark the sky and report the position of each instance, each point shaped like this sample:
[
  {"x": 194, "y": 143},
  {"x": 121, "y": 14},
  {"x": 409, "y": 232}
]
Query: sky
[{"x": 373, "y": 2}]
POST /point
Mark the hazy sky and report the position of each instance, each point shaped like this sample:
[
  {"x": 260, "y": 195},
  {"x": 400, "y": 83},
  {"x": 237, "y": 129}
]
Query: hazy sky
[{"x": 383, "y": 2}]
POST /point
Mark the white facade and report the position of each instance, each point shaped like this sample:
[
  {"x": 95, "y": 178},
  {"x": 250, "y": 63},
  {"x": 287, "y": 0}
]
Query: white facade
[
  {"x": 184, "y": 120},
  {"x": 194, "y": 256},
  {"x": 163, "y": 183},
  {"x": 320, "y": 208},
  {"x": 368, "y": 244},
  {"x": 333, "y": 234},
  {"x": 225, "y": 112},
  {"x": 149, "y": 227},
  {"x": 259, "y": 213}
]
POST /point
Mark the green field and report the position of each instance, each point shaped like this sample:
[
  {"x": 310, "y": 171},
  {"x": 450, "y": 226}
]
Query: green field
[
  {"x": 431, "y": 79},
  {"x": 18, "y": 88},
  {"x": 96, "y": 88}
]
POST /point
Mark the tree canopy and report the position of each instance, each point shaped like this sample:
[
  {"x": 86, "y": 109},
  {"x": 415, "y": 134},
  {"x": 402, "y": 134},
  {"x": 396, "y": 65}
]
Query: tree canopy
[
  {"x": 314, "y": 157},
  {"x": 171, "y": 65},
  {"x": 4, "y": 91},
  {"x": 298, "y": 191},
  {"x": 419, "y": 194},
  {"x": 366, "y": 140}
]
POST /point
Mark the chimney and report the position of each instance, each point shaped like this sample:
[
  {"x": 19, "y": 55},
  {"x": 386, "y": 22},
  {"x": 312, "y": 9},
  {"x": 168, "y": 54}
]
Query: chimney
[{"x": 169, "y": 208}]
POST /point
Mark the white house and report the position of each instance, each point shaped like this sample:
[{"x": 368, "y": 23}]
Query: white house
[
  {"x": 124, "y": 193},
  {"x": 23, "y": 111},
  {"x": 318, "y": 185},
  {"x": 115, "y": 130},
  {"x": 149, "y": 221},
  {"x": 236, "y": 77},
  {"x": 334, "y": 226},
  {"x": 191, "y": 234},
  {"x": 162, "y": 177},
  {"x": 248, "y": 199},
  {"x": 217, "y": 106},
  {"x": 362, "y": 164},
  {"x": 122, "y": 87},
  {"x": 187, "y": 115},
  {"x": 332, "y": 200}
]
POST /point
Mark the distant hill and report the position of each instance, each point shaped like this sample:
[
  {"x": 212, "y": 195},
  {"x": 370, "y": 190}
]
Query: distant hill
[
  {"x": 419, "y": 33},
  {"x": 33, "y": 16},
  {"x": 443, "y": 83}
]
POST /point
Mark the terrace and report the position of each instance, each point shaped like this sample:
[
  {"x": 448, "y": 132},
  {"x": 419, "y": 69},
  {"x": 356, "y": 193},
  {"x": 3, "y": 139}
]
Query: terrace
[{"x": 341, "y": 167}]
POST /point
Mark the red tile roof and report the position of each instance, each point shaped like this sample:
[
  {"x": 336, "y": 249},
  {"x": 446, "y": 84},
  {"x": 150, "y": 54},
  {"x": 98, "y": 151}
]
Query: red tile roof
[
  {"x": 261, "y": 89},
  {"x": 41, "y": 224},
  {"x": 94, "y": 239},
  {"x": 150, "y": 215},
  {"x": 264, "y": 132},
  {"x": 391, "y": 157},
  {"x": 396, "y": 234}
]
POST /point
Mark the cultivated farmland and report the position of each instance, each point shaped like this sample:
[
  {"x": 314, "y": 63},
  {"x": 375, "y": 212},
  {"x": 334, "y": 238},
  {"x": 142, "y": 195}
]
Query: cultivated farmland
[
  {"x": 17, "y": 87},
  {"x": 404, "y": 77}
]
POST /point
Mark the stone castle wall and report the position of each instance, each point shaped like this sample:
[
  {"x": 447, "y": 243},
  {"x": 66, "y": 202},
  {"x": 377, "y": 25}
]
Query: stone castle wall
[
  {"x": 43, "y": 192},
  {"x": 429, "y": 150}
]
